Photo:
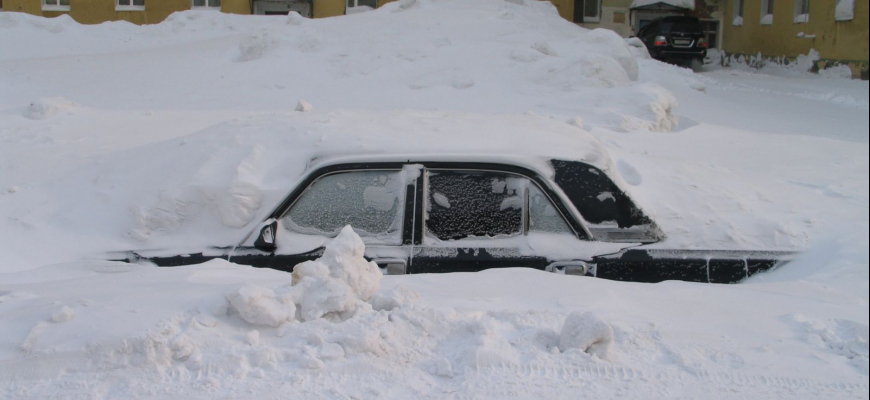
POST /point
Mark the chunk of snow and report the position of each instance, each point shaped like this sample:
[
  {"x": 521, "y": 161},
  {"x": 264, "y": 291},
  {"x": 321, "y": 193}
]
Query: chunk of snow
[
  {"x": 767, "y": 19},
  {"x": 576, "y": 122},
  {"x": 345, "y": 257},
  {"x": 389, "y": 300},
  {"x": 295, "y": 19},
  {"x": 260, "y": 306},
  {"x": 48, "y": 107},
  {"x": 845, "y": 10},
  {"x": 304, "y": 106},
  {"x": 588, "y": 333},
  {"x": 252, "y": 338},
  {"x": 65, "y": 314},
  {"x": 738, "y": 21},
  {"x": 841, "y": 71}
]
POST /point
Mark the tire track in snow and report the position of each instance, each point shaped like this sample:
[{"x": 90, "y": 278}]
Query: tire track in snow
[{"x": 732, "y": 382}]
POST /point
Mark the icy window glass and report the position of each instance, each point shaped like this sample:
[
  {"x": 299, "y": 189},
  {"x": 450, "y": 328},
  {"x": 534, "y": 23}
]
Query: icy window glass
[
  {"x": 543, "y": 216},
  {"x": 372, "y": 202},
  {"x": 475, "y": 204}
]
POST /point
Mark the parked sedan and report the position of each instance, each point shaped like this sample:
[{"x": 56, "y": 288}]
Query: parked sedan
[{"x": 439, "y": 215}]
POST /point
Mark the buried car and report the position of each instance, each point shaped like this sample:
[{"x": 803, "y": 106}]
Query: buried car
[{"x": 493, "y": 192}]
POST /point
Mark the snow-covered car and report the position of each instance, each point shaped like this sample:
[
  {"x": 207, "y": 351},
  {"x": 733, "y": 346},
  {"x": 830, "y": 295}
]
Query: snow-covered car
[{"x": 463, "y": 206}]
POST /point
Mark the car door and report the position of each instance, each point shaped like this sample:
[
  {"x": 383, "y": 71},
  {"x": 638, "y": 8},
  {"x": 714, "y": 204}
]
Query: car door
[
  {"x": 473, "y": 219},
  {"x": 378, "y": 201}
]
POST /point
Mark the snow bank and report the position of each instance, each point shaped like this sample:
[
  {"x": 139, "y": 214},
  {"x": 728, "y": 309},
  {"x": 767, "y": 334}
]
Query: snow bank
[
  {"x": 49, "y": 107},
  {"x": 332, "y": 287},
  {"x": 587, "y": 333}
]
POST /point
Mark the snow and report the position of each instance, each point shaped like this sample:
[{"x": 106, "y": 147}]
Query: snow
[
  {"x": 688, "y": 4},
  {"x": 766, "y": 19},
  {"x": 845, "y": 10},
  {"x": 201, "y": 148},
  {"x": 587, "y": 333}
]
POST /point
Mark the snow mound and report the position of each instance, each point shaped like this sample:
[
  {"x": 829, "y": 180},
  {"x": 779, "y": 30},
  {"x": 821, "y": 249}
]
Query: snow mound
[
  {"x": 260, "y": 306},
  {"x": 588, "y": 333},
  {"x": 398, "y": 297},
  {"x": 333, "y": 287},
  {"x": 49, "y": 107}
]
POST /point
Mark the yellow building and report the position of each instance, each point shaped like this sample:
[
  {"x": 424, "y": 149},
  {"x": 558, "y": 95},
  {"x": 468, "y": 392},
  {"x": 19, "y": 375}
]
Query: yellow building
[
  {"x": 155, "y": 11},
  {"x": 837, "y": 29}
]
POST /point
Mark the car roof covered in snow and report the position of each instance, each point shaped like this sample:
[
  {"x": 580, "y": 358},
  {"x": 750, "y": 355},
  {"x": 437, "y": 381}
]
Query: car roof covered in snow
[{"x": 295, "y": 143}]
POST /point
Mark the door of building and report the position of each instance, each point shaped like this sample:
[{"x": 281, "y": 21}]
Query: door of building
[{"x": 282, "y": 7}]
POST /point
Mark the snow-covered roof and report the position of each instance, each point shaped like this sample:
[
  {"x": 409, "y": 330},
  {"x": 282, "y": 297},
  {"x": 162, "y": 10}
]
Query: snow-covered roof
[{"x": 688, "y": 4}]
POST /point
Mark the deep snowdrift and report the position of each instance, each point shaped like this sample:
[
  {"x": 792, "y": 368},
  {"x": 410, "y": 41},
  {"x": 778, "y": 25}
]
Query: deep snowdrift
[{"x": 183, "y": 134}]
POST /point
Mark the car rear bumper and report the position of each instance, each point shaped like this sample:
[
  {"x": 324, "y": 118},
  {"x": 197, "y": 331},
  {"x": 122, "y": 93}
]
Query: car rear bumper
[{"x": 680, "y": 54}]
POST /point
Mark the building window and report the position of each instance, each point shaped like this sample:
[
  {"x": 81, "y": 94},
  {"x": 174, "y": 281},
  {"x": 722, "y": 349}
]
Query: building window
[
  {"x": 767, "y": 12},
  {"x": 739, "y": 8},
  {"x": 130, "y": 5},
  {"x": 587, "y": 11},
  {"x": 845, "y": 10},
  {"x": 55, "y": 5},
  {"x": 357, "y": 6},
  {"x": 801, "y": 11},
  {"x": 206, "y": 4}
]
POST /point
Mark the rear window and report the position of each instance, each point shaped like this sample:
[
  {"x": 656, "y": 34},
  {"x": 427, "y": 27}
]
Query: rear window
[{"x": 682, "y": 26}]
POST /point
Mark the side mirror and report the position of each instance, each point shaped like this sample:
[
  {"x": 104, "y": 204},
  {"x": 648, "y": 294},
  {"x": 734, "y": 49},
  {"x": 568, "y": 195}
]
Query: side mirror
[{"x": 266, "y": 241}]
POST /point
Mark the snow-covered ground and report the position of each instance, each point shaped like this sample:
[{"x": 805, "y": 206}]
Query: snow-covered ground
[{"x": 117, "y": 137}]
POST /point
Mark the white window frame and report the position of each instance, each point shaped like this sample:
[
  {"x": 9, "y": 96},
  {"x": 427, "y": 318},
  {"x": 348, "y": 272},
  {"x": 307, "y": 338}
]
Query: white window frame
[
  {"x": 131, "y": 7},
  {"x": 739, "y": 12},
  {"x": 836, "y": 12},
  {"x": 590, "y": 18},
  {"x": 801, "y": 13},
  {"x": 767, "y": 10},
  {"x": 206, "y": 6},
  {"x": 348, "y": 9},
  {"x": 53, "y": 7}
]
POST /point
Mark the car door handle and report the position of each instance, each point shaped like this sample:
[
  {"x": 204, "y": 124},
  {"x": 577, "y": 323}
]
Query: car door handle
[
  {"x": 576, "y": 268},
  {"x": 390, "y": 266}
]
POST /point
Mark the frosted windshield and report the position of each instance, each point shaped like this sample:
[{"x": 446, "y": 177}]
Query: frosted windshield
[{"x": 372, "y": 202}]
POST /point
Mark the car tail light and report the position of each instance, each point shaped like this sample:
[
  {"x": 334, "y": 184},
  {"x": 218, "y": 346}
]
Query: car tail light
[
  {"x": 661, "y": 41},
  {"x": 702, "y": 43}
]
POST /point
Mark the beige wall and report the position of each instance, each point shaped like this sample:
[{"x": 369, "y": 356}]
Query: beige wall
[
  {"x": 843, "y": 41},
  {"x": 98, "y": 11}
]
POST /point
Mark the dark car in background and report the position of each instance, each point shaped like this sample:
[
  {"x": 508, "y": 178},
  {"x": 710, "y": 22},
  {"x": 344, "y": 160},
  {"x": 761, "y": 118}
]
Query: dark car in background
[{"x": 676, "y": 40}]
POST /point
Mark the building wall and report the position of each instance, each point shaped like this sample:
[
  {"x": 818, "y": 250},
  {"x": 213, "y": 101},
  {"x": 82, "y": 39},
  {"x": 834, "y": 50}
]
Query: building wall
[
  {"x": 98, "y": 11},
  {"x": 615, "y": 15},
  {"x": 845, "y": 41}
]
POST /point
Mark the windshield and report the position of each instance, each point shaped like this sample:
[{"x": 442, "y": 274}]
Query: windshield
[{"x": 684, "y": 26}]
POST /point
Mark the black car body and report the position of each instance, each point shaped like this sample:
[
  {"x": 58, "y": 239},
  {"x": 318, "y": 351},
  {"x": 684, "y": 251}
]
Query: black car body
[
  {"x": 439, "y": 215},
  {"x": 679, "y": 40}
]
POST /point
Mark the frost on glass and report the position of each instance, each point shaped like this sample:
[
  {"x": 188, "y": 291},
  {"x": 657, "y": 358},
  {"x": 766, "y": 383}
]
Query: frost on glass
[
  {"x": 543, "y": 216},
  {"x": 474, "y": 204},
  {"x": 370, "y": 201}
]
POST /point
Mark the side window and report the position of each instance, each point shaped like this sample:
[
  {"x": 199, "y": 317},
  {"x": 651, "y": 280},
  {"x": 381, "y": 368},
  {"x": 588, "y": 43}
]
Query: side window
[
  {"x": 474, "y": 205},
  {"x": 373, "y": 202},
  {"x": 543, "y": 216}
]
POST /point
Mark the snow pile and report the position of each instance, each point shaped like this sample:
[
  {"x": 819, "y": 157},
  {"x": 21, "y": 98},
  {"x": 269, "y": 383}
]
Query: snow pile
[
  {"x": 587, "y": 333},
  {"x": 49, "y": 107},
  {"x": 333, "y": 287}
]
